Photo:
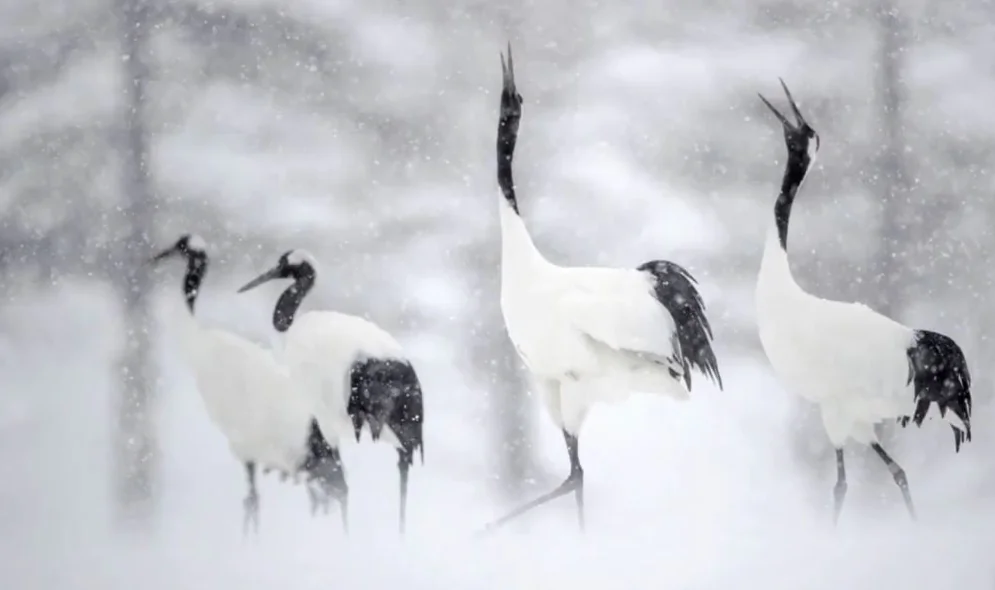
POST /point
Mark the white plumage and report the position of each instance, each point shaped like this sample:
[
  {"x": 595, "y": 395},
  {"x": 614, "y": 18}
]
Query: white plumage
[
  {"x": 352, "y": 372},
  {"x": 591, "y": 334},
  {"x": 249, "y": 398},
  {"x": 247, "y": 395},
  {"x": 598, "y": 333},
  {"x": 321, "y": 348},
  {"x": 856, "y": 385},
  {"x": 858, "y": 366}
]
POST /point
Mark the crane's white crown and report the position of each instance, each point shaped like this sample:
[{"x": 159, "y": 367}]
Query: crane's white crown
[
  {"x": 298, "y": 257},
  {"x": 196, "y": 243}
]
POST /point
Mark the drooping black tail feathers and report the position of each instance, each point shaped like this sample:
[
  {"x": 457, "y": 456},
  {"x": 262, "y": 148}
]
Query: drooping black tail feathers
[
  {"x": 391, "y": 387},
  {"x": 323, "y": 463},
  {"x": 939, "y": 372},
  {"x": 675, "y": 289},
  {"x": 409, "y": 414}
]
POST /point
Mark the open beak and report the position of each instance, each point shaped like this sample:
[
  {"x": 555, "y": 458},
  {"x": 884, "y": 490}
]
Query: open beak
[
  {"x": 799, "y": 119},
  {"x": 508, "y": 72},
  {"x": 162, "y": 255},
  {"x": 269, "y": 275}
]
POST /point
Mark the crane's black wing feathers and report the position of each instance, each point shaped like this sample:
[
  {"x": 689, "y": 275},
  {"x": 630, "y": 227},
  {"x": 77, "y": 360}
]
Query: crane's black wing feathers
[
  {"x": 375, "y": 381},
  {"x": 938, "y": 369},
  {"x": 674, "y": 288}
]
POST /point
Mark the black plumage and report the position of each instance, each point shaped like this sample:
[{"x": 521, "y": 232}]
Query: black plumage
[
  {"x": 674, "y": 288},
  {"x": 939, "y": 372}
]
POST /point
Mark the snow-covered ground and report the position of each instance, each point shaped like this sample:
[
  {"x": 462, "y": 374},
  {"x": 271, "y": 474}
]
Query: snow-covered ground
[{"x": 696, "y": 496}]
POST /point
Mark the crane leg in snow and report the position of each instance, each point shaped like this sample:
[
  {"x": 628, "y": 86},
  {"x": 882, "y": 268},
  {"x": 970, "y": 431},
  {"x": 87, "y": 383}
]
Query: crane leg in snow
[
  {"x": 344, "y": 507},
  {"x": 317, "y": 500},
  {"x": 899, "y": 475},
  {"x": 404, "y": 459},
  {"x": 251, "y": 502},
  {"x": 326, "y": 476},
  {"x": 839, "y": 492},
  {"x": 576, "y": 473},
  {"x": 574, "y": 483},
  {"x": 323, "y": 499}
]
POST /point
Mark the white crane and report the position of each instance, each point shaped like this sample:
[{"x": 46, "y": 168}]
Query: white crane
[
  {"x": 858, "y": 366},
  {"x": 591, "y": 334},
  {"x": 250, "y": 398},
  {"x": 351, "y": 370}
]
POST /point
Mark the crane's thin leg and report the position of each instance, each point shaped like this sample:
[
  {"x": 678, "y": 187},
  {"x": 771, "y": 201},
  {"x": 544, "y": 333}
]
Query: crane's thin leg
[
  {"x": 337, "y": 487},
  {"x": 839, "y": 492},
  {"x": 576, "y": 473},
  {"x": 574, "y": 483},
  {"x": 312, "y": 495},
  {"x": 404, "y": 458},
  {"x": 326, "y": 477},
  {"x": 899, "y": 474},
  {"x": 319, "y": 500},
  {"x": 251, "y": 502},
  {"x": 344, "y": 507}
]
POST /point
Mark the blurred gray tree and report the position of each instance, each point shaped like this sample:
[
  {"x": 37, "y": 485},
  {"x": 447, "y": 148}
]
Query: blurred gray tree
[
  {"x": 65, "y": 215},
  {"x": 171, "y": 53},
  {"x": 135, "y": 441}
]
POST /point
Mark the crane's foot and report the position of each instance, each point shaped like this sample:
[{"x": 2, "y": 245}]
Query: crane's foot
[
  {"x": 251, "y": 508},
  {"x": 319, "y": 500}
]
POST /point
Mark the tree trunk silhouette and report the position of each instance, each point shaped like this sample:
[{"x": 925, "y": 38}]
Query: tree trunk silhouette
[
  {"x": 886, "y": 288},
  {"x": 892, "y": 179},
  {"x": 135, "y": 445},
  {"x": 893, "y": 189}
]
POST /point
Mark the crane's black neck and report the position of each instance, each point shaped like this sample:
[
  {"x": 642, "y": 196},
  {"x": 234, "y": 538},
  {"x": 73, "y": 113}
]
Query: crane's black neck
[
  {"x": 290, "y": 300},
  {"x": 794, "y": 174},
  {"x": 506, "y": 140},
  {"x": 196, "y": 269}
]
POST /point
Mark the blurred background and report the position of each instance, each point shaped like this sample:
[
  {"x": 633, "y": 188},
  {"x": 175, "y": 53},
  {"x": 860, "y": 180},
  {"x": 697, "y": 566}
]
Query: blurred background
[{"x": 364, "y": 132}]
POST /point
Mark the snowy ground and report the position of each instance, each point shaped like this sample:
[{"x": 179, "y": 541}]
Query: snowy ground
[{"x": 697, "y": 496}]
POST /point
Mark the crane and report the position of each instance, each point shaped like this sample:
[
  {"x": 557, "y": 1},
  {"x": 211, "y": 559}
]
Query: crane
[
  {"x": 249, "y": 398},
  {"x": 353, "y": 373},
  {"x": 860, "y": 367},
  {"x": 591, "y": 334}
]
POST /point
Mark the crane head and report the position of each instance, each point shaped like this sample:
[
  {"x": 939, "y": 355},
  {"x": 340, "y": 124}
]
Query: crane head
[
  {"x": 801, "y": 139},
  {"x": 291, "y": 265},
  {"x": 511, "y": 100},
  {"x": 188, "y": 246}
]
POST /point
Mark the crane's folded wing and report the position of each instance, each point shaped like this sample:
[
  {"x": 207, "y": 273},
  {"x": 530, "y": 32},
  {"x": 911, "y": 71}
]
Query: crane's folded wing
[{"x": 619, "y": 311}]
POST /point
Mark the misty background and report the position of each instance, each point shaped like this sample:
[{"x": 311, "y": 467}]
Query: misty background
[{"x": 364, "y": 132}]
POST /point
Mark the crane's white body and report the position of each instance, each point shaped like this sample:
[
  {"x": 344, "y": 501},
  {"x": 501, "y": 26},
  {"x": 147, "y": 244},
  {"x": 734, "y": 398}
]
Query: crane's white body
[
  {"x": 248, "y": 396},
  {"x": 320, "y": 349},
  {"x": 586, "y": 333},
  {"x": 845, "y": 357}
]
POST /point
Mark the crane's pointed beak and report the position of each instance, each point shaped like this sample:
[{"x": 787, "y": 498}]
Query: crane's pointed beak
[
  {"x": 269, "y": 275},
  {"x": 162, "y": 255},
  {"x": 777, "y": 113}
]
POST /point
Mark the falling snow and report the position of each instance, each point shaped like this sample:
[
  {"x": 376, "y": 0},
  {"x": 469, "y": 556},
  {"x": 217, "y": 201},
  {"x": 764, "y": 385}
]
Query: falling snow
[{"x": 364, "y": 133}]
